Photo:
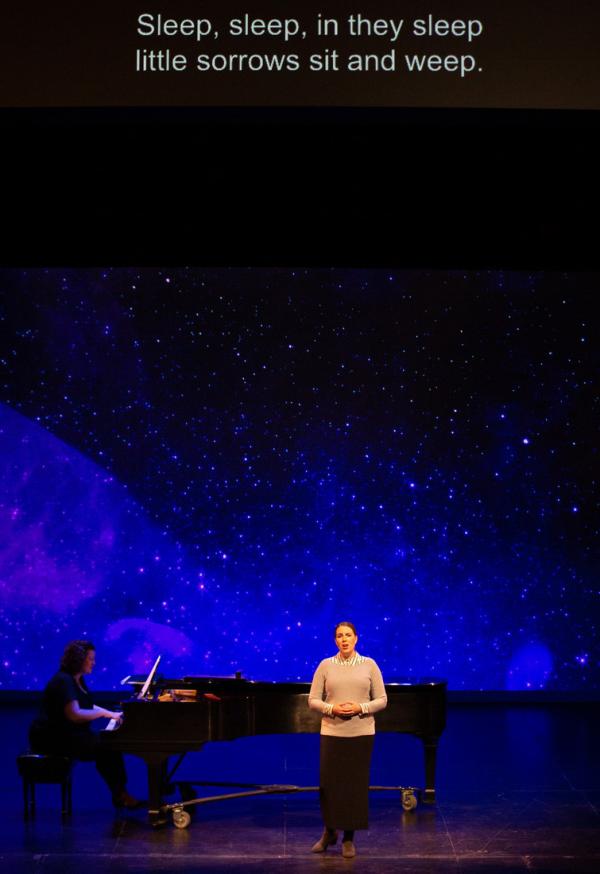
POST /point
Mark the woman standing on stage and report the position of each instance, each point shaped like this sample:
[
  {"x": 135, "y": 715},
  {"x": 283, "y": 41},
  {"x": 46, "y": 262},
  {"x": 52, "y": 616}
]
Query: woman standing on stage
[{"x": 347, "y": 689}]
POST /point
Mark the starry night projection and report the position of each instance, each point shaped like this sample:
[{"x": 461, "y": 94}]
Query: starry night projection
[{"x": 216, "y": 465}]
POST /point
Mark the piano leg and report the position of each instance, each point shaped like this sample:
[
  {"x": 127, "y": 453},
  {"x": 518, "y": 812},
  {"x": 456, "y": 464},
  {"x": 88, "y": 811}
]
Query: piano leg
[
  {"x": 156, "y": 764},
  {"x": 430, "y": 750}
]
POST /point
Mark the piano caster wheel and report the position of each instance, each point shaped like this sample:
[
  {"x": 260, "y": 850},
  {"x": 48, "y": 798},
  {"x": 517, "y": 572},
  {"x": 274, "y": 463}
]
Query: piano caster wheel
[
  {"x": 409, "y": 801},
  {"x": 181, "y": 818}
]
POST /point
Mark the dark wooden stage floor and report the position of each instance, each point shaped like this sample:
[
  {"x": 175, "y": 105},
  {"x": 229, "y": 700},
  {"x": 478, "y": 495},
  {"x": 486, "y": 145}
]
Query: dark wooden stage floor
[{"x": 518, "y": 790}]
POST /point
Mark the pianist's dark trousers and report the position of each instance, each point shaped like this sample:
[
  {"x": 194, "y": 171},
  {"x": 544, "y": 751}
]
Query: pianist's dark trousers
[{"x": 85, "y": 746}]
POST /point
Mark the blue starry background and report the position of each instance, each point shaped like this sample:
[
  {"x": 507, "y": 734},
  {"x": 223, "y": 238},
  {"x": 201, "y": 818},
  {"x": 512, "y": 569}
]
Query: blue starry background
[{"x": 219, "y": 464}]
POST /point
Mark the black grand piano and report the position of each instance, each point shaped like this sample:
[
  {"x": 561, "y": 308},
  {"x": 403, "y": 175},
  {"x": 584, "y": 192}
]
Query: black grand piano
[{"x": 228, "y": 708}]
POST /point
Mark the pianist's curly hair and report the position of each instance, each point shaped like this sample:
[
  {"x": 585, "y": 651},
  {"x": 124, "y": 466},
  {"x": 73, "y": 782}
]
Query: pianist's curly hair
[{"x": 74, "y": 655}]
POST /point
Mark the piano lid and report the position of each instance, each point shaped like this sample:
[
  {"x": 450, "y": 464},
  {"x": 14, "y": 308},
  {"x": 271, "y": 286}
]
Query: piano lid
[
  {"x": 169, "y": 682},
  {"x": 237, "y": 683},
  {"x": 416, "y": 681}
]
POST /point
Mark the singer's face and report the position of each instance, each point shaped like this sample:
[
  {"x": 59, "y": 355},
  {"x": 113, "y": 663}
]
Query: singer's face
[{"x": 345, "y": 640}]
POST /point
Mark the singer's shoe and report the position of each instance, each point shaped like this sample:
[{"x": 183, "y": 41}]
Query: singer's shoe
[
  {"x": 327, "y": 839},
  {"x": 348, "y": 850}
]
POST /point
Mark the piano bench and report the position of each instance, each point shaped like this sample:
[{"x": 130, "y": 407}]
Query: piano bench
[{"x": 37, "y": 768}]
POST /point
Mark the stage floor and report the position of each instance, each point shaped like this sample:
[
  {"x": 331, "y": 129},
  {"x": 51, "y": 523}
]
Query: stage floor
[{"x": 518, "y": 790}]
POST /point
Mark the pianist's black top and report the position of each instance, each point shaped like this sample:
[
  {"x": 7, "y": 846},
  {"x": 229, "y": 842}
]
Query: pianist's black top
[{"x": 52, "y": 724}]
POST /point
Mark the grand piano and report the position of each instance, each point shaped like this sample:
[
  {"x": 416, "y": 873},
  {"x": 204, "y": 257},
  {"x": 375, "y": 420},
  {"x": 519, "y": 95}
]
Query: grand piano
[{"x": 218, "y": 709}]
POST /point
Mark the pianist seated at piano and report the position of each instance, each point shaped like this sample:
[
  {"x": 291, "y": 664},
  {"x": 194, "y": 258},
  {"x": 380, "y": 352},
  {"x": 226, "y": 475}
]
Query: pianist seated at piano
[
  {"x": 347, "y": 689},
  {"x": 64, "y": 725}
]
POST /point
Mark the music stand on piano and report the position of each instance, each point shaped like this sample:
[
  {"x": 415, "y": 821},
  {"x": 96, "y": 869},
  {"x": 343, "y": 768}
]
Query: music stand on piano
[
  {"x": 142, "y": 694},
  {"x": 149, "y": 678}
]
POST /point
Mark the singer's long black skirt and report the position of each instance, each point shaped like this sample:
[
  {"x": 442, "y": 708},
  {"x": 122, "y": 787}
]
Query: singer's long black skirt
[{"x": 344, "y": 781}]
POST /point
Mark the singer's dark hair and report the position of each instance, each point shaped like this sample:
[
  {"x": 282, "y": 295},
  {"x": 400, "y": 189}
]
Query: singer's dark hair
[{"x": 349, "y": 624}]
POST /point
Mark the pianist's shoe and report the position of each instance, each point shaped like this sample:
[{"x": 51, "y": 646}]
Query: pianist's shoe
[
  {"x": 327, "y": 839},
  {"x": 127, "y": 801}
]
